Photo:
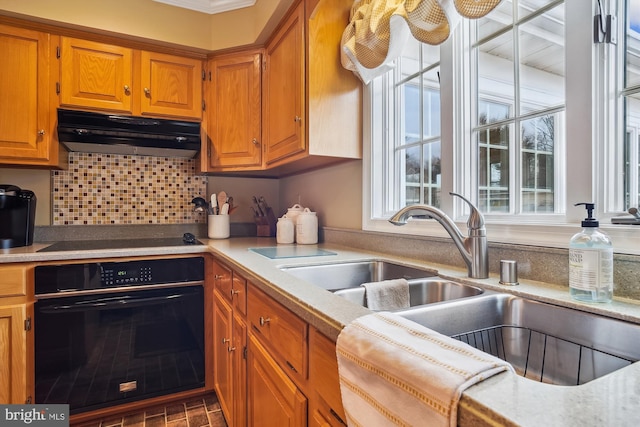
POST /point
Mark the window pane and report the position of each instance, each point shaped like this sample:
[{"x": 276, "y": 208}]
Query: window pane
[
  {"x": 411, "y": 91},
  {"x": 632, "y": 72},
  {"x": 410, "y": 59},
  {"x": 412, "y": 162},
  {"x": 431, "y": 105},
  {"x": 632, "y": 151},
  {"x": 526, "y": 7},
  {"x": 432, "y": 173},
  {"x": 495, "y": 20},
  {"x": 495, "y": 72},
  {"x": 631, "y": 145},
  {"x": 542, "y": 66},
  {"x": 491, "y": 112},
  {"x": 430, "y": 55},
  {"x": 538, "y": 135}
]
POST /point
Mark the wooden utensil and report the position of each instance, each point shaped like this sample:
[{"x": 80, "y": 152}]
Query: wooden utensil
[{"x": 222, "y": 199}]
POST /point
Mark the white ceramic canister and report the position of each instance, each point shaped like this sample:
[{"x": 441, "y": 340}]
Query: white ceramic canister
[
  {"x": 284, "y": 230},
  {"x": 292, "y": 214},
  {"x": 294, "y": 211},
  {"x": 218, "y": 227},
  {"x": 307, "y": 227}
]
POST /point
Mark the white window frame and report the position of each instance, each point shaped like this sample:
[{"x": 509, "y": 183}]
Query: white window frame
[{"x": 588, "y": 172}]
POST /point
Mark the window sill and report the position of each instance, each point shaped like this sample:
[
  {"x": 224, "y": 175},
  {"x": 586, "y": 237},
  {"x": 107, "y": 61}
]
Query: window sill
[{"x": 625, "y": 238}]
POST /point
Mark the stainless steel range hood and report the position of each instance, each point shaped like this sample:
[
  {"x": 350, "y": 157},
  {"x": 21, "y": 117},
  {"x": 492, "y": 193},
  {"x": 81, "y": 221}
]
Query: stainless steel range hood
[{"x": 116, "y": 134}]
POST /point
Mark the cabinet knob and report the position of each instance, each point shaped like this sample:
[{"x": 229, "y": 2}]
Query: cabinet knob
[
  {"x": 147, "y": 91},
  {"x": 126, "y": 89},
  {"x": 297, "y": 119},
  {"x": 218, "y": 276},
  {"x": 264, "y": 320},
  {"x": 234, "y": 292},
  {"x": 230, "y": 349},
  {"x": 255, "y": 142},
  {"x": 225, "y": 340},
  {"x": 41, "y": 132}
]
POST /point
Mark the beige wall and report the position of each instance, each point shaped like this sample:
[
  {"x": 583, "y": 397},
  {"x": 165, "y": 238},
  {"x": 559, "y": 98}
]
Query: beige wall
[
  {"x": 38, "y": 181},
  {"x": 335, "y": 193},
  {"x": 156, "y": 21}
]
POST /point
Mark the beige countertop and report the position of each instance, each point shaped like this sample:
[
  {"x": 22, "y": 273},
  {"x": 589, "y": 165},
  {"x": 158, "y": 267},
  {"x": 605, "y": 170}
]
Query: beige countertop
[{"x": 505, "y": 399}]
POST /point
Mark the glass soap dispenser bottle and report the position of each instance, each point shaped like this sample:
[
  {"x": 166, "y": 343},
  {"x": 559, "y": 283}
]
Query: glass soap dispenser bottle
[{"x": 591, "y": 262}]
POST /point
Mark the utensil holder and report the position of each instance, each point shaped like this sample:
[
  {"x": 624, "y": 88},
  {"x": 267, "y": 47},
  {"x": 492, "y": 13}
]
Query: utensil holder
[
  {"x": 218, "y": 226},
  {"x": 266, "y": 225}
]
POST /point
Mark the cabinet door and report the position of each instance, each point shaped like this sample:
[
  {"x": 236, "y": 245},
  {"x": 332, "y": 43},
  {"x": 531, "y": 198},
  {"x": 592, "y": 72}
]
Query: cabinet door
[
  {"x": 284, "y": 124},
  {"x": 222, "y": 366},
  {"x": 96, "y": 75},
  {"x": 16, "y": 384},
  {"x": 24, "y": 95},
  {"x": 235, "y": 111},
  {"x": 272, "y": 395},
  {"x": 326, "y": 400},
  {"x": 171, "y": 85},
  {"x": 239, "y": 361}
]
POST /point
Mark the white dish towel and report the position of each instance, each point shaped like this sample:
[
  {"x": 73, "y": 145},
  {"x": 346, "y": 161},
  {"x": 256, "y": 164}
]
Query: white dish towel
[
  {"x": 387, "y": 294},
  {"x": 395, "y": 372}
]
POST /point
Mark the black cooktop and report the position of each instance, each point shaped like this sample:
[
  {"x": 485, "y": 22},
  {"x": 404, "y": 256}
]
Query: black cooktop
[{"x": 86, "y": 245}]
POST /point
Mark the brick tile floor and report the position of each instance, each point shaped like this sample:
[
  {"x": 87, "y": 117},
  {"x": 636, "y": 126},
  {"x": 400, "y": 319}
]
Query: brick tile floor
[{"x": 197, "y": 412}]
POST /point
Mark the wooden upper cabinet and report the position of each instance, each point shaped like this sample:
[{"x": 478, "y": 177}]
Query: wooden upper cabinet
[
  {"x": 96, "y": 75},
  {"x": 171, "y": 85},
  {"x": 113, "y": 78},
  {"x": 25, "y": 131},
  {"x": 234, "y": 111},
  {"x": 284, "y": 88}
]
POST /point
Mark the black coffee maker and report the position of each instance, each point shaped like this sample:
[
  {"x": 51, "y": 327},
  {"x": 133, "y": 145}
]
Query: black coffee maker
[{"x": 17, "y": 216}]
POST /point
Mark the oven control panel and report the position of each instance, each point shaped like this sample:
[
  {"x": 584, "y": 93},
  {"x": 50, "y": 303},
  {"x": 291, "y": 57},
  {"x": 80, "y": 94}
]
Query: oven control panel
[
  {"x": 126, "y": 275},
  {"x": 78, "y": 277}
]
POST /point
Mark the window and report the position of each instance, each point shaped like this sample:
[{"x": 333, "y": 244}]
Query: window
[
  {"x": 490, "y": 115},
  {"x": 630, "y": 94}
]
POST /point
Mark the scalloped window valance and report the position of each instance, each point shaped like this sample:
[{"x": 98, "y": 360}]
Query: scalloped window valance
[{"x": 379, "y": 29}]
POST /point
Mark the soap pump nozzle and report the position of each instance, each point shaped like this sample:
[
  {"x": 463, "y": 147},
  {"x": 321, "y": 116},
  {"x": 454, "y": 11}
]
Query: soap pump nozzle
[{"x": 589, "y": 221}]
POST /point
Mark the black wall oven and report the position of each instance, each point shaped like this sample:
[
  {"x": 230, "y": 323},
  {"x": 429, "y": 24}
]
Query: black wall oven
[{"x": 116, "y": 332}]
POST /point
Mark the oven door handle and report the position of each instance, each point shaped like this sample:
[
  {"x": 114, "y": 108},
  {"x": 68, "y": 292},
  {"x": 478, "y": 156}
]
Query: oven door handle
[{"x": 106, "y": 303}]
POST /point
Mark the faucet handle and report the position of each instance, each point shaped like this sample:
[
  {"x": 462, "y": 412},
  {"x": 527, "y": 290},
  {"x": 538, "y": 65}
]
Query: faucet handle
[{"x": 476, "y": 220}]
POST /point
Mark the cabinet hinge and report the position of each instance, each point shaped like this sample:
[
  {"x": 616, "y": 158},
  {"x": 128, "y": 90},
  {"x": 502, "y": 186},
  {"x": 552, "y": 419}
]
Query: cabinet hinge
[
  {"x": 204, "y": 75},
  {"x": 264, "y": 64},
  {"x": 28, "y": 401},
  {"x": 204, "y": 105},
  {"x": 209, "y": 75},
  {"x": 244, "y": 352},
  {"x": 27, "y": 324},
  {"x": 58, "y": 52},
  {"x": 57, "y": 88}
]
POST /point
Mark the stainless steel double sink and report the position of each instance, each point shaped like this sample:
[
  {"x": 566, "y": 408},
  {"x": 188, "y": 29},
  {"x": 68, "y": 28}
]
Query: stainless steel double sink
[
  {"x": 344, "y": 279},
  {"x": 544, "y": 342}
]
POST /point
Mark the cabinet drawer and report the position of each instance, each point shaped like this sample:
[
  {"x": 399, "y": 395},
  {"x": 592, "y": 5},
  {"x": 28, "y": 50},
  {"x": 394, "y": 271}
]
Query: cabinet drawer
[
  {"x": 14, "y": 281},
  {"x": 281, "y": 331},
  {"x": 222, "y": 279}
]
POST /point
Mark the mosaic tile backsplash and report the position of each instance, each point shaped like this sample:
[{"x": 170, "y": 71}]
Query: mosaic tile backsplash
[{"x": 126, "y": 189}]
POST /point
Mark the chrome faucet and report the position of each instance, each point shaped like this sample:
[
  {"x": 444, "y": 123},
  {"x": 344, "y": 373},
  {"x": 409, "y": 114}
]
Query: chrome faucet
[{"x": 474, "y": 249}]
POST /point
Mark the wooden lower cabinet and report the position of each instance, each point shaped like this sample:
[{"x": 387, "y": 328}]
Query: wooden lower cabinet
[
  {"x": 222, "y": 368},
  {"x": 274, "y": 399},
  {"x": 239, "y": 366},
  {"x": 16, "y": 343},
  {"x": 271, "y": 367},
  {"x": 325, "y": 401}
]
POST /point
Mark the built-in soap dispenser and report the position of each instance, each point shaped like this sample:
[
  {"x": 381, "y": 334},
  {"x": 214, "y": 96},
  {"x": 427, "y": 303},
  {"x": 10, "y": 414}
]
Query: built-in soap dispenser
[{"x": 591, "y": 261}]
